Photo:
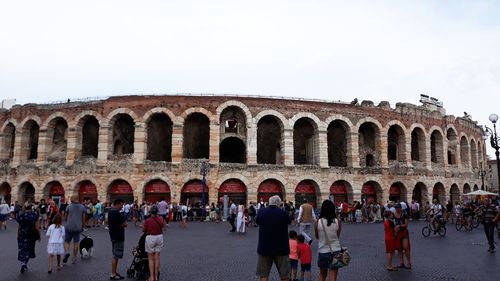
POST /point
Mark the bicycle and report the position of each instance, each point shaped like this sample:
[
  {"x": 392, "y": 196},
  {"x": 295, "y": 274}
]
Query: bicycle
[
  {"x": 441, "y": 228},
  {"x": 463, "y": 224}
]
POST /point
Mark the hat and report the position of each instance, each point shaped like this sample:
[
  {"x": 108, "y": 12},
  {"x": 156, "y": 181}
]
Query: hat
[
  {"x": 154, "y": 210},
  {"x": 274, "y": 200}
]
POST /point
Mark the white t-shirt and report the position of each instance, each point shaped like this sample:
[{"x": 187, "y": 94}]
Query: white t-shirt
[
  {"x": 436, "y": 209},
  {"x": 126, "y": 208},
  {"x": 4, "y": 209},
  {"x": 331, "y": 231},
  {"x": 55, "y": 234}
]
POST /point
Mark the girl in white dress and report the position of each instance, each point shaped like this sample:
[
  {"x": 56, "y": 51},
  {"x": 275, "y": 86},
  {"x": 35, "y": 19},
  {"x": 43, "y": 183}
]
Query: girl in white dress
[
  {"x": 240, "y": 219},
  {"x": 55, "y": 245}
]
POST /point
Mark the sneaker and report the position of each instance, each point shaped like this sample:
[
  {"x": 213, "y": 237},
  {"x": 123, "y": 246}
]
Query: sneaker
[
  {"x": 66, "y": 257},
  {"x": 23, "y": 268}
]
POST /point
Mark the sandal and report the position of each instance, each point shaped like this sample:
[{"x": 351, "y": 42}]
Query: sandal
[
  {"x": 391, "y": 269},
  {"x": 116, "y": 277}
]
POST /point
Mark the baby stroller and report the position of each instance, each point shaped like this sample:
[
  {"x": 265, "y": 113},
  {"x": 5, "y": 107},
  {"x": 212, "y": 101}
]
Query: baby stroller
[
  {"x": 86, "y": 247},
  {"x": 140, "y": 263}
]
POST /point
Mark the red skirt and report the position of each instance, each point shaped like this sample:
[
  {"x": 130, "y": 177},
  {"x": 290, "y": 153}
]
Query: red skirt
[
  {"x": 392, "y": 245},
  {"x": 404, "y": 235}
]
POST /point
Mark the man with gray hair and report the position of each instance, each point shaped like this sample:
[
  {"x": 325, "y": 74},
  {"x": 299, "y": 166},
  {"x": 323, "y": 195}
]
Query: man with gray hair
[
  {"x": 75, "y": 220},
  {"x": 273, "y": 244}
]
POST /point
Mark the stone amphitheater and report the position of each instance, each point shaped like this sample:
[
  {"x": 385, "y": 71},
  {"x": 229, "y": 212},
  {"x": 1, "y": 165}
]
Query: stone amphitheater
[{"x": 148, "y": 147}]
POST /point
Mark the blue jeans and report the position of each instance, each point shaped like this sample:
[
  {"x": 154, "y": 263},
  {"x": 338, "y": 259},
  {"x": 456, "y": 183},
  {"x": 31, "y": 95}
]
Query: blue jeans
[{"x": 305, "y": 230}]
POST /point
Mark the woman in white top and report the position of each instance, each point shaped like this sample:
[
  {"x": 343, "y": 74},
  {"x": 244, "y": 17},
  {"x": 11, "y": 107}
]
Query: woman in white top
[
  {"x": 327, "y": 231},
  {"x": 240, "y": 219},
  {"x": 55, "y": 245}
]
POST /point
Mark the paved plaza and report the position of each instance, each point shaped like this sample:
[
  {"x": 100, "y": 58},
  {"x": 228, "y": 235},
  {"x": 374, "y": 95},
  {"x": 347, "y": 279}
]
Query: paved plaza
[{"x": 207, "y": 251}]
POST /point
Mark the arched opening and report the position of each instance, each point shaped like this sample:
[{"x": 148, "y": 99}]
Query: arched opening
[
  {"x": 418, "y": 145},
  {"x": 90, "y": 137},
  {"x": 123, "y": 135},
  {"x": 269, "y": 140},
  {"x": 120, "y": 189},
  {"x": 451, "y": 135},
  {"x": 8, "y": 141},
  {"x": 55, "y": 192},
  {"x": 30, "y": 140},
  {"x": 476, "y": 187},
  {"x": 26, "y": 192},
  {"x": 192, "y": 193},
  {"x": 232, "y": 150},
  {"x": 397, "y": 192},
  {"x": 87, "y": 191},
  {"x": 369, "y": 135},
  {"x": 339, "y": 192},
  {"x": 156, "y": 191},
  {"x": 396, "y": 148},
  {"x": 268, "y": 188},
  {"x": 304, "y": 142},
  {"x": 454, "y": 194},
  {"x": 196, "y": 136},
  {"x": 159, "y": 134},
  {"x": 234, "y": 189},
  {"x": 439, "y": 193},
  {"x": 337, "y": 144},
  {"x": 306, "y": 190},
  {"x": 57, "y": 131},
  {"x": 5, "y": 192},
  {"x": 437, "y": 147},
  {"x": 464, "y": 152},
  {"x": 473, "y": 154},
  {"x": 419, "y": 194},
  {"x": 467, "y": 188},
  {"x": 371, "y": 192}
]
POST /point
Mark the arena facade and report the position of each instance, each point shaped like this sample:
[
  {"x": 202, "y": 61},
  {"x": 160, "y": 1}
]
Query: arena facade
[{"x": 148, "y": 147}]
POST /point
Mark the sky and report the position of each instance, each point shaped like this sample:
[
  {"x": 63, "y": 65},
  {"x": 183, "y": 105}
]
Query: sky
[{"x": 333, "y": 50}]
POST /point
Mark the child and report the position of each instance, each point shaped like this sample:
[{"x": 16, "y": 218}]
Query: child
[
  {"x": 55, "y": 245},
  {"x": 294, "y": 259},
  {"x": 390, "y": 239},
  {"x": 305, "y": 257}
]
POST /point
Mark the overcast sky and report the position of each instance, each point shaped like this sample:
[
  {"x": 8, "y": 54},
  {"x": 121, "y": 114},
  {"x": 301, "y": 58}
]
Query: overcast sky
[{"x": 335, "y": 50}]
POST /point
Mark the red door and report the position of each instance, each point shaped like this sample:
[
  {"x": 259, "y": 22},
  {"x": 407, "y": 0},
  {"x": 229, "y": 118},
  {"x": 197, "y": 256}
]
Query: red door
[
  {"x": 305, "y": 190},
  {"x": 339, "y": 192},
  {"x": 156, "y": 190},
  {"x": 234, "y": 189},
  {"x": 269, "y": 188},
  {"x": 121, "y": 190},
  {"x": 87, "y": 191}
]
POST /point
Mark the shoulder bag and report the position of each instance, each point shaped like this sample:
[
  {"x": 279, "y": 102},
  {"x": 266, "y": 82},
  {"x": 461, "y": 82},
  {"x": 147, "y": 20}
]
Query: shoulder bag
[{"x": 341, "y": 259}]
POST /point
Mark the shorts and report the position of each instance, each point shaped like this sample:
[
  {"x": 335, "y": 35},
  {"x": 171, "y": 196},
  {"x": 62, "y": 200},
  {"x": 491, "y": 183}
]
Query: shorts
[
  {"x": 294, "y": 264},
  {"x": 264, "y": 264},
  {"x": 306, "y": 267},
  {"x": 154, "y": 243},
  {"x": 118, "y": 248},
  {"x": 72, "y": 236},
  {"x": 3, "y": 217},
  {"x": 325, "y": 260},
  {"x": 43, "y": 216}
]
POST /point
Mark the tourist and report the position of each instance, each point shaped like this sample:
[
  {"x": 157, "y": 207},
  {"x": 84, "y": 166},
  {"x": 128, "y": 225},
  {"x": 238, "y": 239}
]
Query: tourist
[
  {"x": 305, "y": 258},
  {"x": 184, "y": 215},
  {"x": 53, "y": 211},
  {"x": 233, "y": 210},
  {"x": 42, "y": 213},
  {"x": 240, "y": 221},
  {"x": 391, "y": 243},
  {"x": 74, "y": 222},
  {"x": 402, "y": 236},
  {"x": 55, "y": 243},
  {"x": 163, "y": 210},
  {"x": 117, "y": 223},
  {"x": 305, "y": 219},
  {"x": 490, "y": 217},
  {"x": 4, "y": 214},
  {"x": 98, "y": 214},
  {"x": 252, "y": 212},
  {"x": 153, "y": 227},
  {"x": 294, "y": 258},
  {"x": 27, "y": 235},
  {"x": 327, "y": 231},
  {"x": 273, "y": 245},
  {"x": 436, "y": 211},
  {"x": 126, "y": 211}
]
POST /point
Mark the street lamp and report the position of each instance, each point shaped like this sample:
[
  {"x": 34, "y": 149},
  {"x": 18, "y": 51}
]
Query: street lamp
[
  {"x": 494, "y": 140},
  {"x": 482, "y": 173},
  {"x": 204, "y": 169}
]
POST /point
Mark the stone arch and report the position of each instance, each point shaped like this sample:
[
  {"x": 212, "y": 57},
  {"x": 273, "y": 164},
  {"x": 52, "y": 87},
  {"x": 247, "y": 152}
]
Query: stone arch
[
  {"x": 54, "y": 188},
  {"x": 6, "y": 192},
  {"x": 266, "y": 189},
  {"x": 30, "y": 129},
  {"x": 476, "y": 187},
  {"x": 338, "y": 139},
  {"x": 229, "y": 176},
  {"x": 6, "y": 122},
  {"x": 398, "y": 192},
  {"x": 122, "y": 131},
  {"x": 418, "y": 142},
  {"x": 235, "y": 103},
  {"x": 315, "y": 120},
  {"x": 86, "y": 189},
  {"x": 120, "y": 188},
  {"x": 437, "y": 145},
  {"x": 473, "y": 153},
  {"x": 56, "y": 145},
  {"x": 452, "y": 137},
  {"x": 270, "y": 139},
  {"x": 305, "y": 141},
  {"x": 79, "y": 119},
  {"x": 372, "y": 191},
  {"x": 307, "y": 189},
  {"x": 232, "y": 150},
  {"x": 235, "y": 189},
  {"x": 115, "y": 114},
  {"x": 420, "y": 194},
  {"x": 284, "y": 122},
  {"x": 158, "y": 190},
  {"x": 26, "y": 191},
  {"x": 200, "y": 110},
  {"x": 342, "y": 191},
  {"x": 464, "y": 151},
  {"x": 28, "y": 118},
  {"x": 454, "y": 194},
  {"x": 396, "y": 141},
  {"x": 51, "y": 118},
  {"x": 369, "y": 142},
  {"x": 192, "y": 189},
  {"x": 7, "y": 140},
  {"x": 233, "y": 129},
  {"x": 466, "y": 188},
  {"x": 439, "y": 193},
  {"x": 158, "y": 137},
  {"x": 196, "y": 135},
  {"x": 147, "y": 116}
]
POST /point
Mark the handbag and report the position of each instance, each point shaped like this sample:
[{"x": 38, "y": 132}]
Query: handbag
[{"x": 341, "y": 259}]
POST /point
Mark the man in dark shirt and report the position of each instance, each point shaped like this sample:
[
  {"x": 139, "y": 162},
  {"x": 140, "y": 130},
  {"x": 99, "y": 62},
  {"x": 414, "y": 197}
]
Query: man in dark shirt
[
  {"x": 273, "y": 244},
  {"x": 42, "y": 209},
  {"x": 490, "y": 218},
  {"x": 116, "y": 223}
]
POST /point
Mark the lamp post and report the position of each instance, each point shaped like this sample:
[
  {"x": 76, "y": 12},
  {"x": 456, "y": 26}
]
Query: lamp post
[
  {"x": 494, "y": 140},
  {"x": 204, "y": 169},
  {"x": 482, "y": 173}
]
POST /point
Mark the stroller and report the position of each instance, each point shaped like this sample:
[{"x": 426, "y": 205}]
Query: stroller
[
  {"x": 140, "y": 263},
  {"x": 86, "y": 247}
]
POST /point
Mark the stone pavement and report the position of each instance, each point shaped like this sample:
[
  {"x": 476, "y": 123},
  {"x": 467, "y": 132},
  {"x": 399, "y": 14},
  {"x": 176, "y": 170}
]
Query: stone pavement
[{"x": 207, "y": 251}]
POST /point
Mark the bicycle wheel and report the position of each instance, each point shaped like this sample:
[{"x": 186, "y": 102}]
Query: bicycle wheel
[
  {"x": 426, "y": 231},
  {"x": 458, "y": 225},
  {"x": 442, "y": 231}
]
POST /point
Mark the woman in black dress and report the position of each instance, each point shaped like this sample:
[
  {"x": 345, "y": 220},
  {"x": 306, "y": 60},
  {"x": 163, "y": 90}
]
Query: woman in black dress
[{"x": 27, "y": 235}]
